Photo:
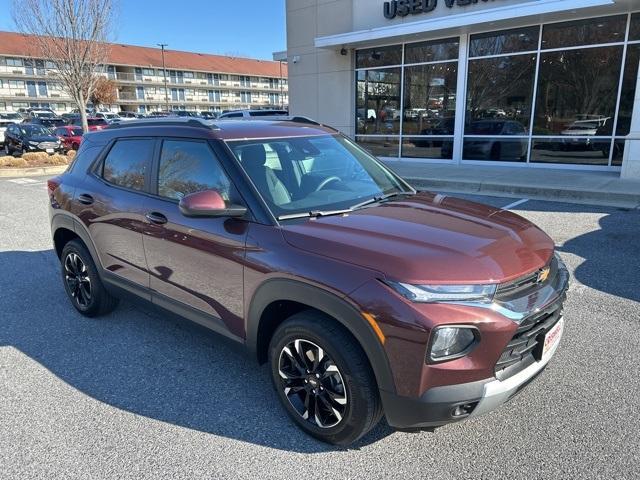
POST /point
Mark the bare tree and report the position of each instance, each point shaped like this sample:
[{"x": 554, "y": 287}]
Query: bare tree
[{"x": 73, "y": 35}]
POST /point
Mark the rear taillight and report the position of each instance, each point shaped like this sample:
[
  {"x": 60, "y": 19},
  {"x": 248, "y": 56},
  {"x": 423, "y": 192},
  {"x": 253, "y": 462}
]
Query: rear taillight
[{"x": 53, "y": 184}]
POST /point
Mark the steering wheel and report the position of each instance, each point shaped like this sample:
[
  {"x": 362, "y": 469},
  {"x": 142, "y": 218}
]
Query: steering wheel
[{"x": 327, "y": 181}]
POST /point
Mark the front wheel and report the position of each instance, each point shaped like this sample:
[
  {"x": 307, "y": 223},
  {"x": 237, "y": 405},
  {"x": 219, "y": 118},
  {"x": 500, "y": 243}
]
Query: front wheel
[{"x": 324, "y": 379}]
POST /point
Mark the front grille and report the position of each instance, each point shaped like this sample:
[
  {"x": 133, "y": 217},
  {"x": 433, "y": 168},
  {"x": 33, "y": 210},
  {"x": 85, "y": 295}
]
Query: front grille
[
  {"x": 522, "y": 286},
  {"x": 45, "y": 145},
  {"x": 526, "y": 346}
]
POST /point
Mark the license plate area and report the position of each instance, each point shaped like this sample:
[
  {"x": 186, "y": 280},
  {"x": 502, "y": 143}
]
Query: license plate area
[
  {"x": 49, "y": 150},
  {"x": 552, "y": 337}
]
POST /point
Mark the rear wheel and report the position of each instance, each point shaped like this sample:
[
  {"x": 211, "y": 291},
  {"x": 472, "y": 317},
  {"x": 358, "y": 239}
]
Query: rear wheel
[
  {"x": 324, "y": 379},
  {"x": 82, "y": 283}
]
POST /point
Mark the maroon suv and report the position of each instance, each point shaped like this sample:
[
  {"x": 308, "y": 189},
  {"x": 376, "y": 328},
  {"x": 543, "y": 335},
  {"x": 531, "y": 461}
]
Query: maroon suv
[{"x": 366, "y": 297}]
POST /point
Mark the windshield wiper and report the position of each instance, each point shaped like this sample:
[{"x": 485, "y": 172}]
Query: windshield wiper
[
  {"x": 314, "y": 214},
  {"x": 380, "y": 198}
]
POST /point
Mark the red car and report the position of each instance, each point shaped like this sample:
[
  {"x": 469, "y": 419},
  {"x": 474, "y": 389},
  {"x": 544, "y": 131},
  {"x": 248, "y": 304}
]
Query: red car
[
  {"x": 366, "y": 298},
  {"x": 70, "y": 136},
  {"x": 94, "y": 123}
]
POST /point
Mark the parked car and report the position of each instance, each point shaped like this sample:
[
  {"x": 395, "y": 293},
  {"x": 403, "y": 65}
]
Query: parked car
[
  {"x": 129, "y": 115},
  {"x": 5, "y": 121},
  {"x": 365, "y": 297},
  {"x": 70, "y": 136},
  {"x": 49, "y": 122},
  {"x": 23, "y": 138},
  {"x": 208, "y": 115},
  {"x": 493, "y": 142},
  {"x": 109, "y": 117},
  {"x": 94, "y": 123},
  {"x": 252, "y": 113}
]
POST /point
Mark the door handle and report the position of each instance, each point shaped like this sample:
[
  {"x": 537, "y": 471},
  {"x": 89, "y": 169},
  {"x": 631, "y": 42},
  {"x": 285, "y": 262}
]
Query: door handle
[
  {"x": 85, "y": 199},
  {"x": 157, "y": 218}
]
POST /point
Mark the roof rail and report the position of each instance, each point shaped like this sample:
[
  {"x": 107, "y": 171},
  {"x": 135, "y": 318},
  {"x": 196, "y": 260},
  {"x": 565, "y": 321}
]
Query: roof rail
[{"x": 164, "y": 122}]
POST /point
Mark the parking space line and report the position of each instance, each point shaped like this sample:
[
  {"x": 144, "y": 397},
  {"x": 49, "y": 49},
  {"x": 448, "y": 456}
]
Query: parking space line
[{"x": 515, "y": 204}]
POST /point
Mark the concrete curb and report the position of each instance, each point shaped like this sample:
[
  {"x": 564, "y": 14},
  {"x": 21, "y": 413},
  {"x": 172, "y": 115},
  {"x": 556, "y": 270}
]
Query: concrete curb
[
  {"x": 32, "y": 171},
  {"x": 568, "y": 195}
]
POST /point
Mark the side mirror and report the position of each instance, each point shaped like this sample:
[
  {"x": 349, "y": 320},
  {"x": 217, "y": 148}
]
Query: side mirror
[{"x": 209, "y": 203}]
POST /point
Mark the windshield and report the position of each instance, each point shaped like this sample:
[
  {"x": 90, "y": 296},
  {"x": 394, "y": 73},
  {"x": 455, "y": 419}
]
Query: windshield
[
  {"x": 35, "y": 130},
  {"x": 11, "y": 116},
  {"x": 310, "y": 174}
]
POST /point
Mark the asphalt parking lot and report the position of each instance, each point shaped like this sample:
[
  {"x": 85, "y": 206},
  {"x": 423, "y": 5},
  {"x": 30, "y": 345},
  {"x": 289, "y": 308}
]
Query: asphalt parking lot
[{"x": 142, "y": 394}]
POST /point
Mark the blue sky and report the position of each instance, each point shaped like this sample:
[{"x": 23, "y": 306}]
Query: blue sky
[{"x": 206, "y": 26}]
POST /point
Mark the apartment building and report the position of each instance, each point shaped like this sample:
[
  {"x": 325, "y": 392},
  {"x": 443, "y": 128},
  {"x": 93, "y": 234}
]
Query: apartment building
[{"x": 194, "y": 81}]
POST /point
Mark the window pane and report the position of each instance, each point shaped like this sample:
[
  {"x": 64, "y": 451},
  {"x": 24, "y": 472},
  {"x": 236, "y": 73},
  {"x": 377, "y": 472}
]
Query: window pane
[
  {"x": 629, "y": 83},
  {"x": 378, "y": 57},
  {"x": 505, "y": 41},
  {"x": 378, "y": 102},
  {"x": 634, "y": 29},
  {"x": 500, "y": 88},
  {"x": 127, "y": 163},
  {"x": 380, "y": 146},
  {"x": 496, "y": 149},
  {"x": 430, "y": 99},
  {"x": 427, "y": 147},
  {"x": 576, "y": 90},
  {"x": 618, "y": 153},
  {"x": 581, "y": 151},
  {"x": 584, "y": 32},
  {"x": 432, "y": 51},
  {"x": 189, "y": 167}
]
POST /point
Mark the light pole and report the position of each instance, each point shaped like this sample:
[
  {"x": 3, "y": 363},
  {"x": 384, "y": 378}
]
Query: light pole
[{"x": 164, "y": 74}]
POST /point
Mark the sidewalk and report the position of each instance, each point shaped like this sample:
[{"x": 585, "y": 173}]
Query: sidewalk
[{"x": 600, "y": 188}]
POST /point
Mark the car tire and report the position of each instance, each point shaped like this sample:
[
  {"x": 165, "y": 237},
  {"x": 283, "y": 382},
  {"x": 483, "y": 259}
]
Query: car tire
[
  {"x": 82, "y": 282},
  {"x": 337, "y": 378}
]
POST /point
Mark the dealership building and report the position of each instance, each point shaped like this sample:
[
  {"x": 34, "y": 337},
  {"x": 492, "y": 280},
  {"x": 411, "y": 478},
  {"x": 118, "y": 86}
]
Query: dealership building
[{"x": 531, "y": 83}]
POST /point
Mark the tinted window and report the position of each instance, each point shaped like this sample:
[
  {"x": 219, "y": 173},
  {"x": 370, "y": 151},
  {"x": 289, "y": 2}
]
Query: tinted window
[
  {"x": 189, "y": 167},
  {"x": 127, "y": 163},
  {"x": 505, "y": 41},
  {"x": 584, "y": 32},
  {"x": 377, "y": 57},
  {"x": 628, "y": 93},
  {"x": 232, "y": 115},
  {"x": 432, "y": 51},
  {"x": 634, "y": 28}
]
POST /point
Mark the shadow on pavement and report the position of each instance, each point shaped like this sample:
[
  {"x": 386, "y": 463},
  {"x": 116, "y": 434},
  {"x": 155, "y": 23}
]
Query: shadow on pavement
[{"x": 145, "y": 361}]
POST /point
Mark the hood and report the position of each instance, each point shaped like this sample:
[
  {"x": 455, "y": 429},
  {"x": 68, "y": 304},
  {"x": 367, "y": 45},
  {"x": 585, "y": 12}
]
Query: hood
[
  {"x": 42, "y": 138},
  {"x": 429, "y": 238}
]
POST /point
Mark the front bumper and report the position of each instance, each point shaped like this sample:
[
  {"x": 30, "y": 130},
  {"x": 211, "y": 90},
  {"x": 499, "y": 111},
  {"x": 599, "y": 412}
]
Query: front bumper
[{"x": 438, "y": 405}]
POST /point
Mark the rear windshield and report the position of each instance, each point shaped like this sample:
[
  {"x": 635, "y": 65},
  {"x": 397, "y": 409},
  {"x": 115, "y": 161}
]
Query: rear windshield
[{"x": 96, "y": 121}]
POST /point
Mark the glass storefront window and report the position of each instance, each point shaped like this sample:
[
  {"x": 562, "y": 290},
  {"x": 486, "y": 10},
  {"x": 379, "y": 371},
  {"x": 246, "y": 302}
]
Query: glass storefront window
[
  {"x": 584, "y": 32},
  {"x": 500, "y": 88},
  {"x": 504, "y": 41},
  {"x": 380, "y": 146},
  {"x": 379, "y": 57},
  {"x": 496, "y": 149},
  {"x": 577, "y": 151},
  {"x": 628, "y": 92},
  {"x": 427, "y": 147},
  {"x": 577, "y": 91},
  {"x": 430, "y": 99},
  {"x": 634, "y": 28},
  {"x": 432, "y": 51},
  {"x": 378, "y": 101},
  {"x": 618, "y": 153}
]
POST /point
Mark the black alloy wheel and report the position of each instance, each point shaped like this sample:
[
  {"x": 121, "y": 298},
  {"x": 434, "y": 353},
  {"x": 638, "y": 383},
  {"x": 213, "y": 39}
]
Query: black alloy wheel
[{"x": 78, "y": 280}]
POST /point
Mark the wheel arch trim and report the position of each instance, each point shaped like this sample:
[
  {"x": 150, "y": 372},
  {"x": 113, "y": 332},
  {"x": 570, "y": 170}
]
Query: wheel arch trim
[{"x": 339, "y": 308}]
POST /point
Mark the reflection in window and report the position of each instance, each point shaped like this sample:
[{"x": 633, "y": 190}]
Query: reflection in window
[
  {"x": 584, "y": 32},
  {"x": 378, "y": 101},
  {"x": 500, "y": 89},
  {"x": 380, "y": 146},
  {"x": 634, "y": 28},
  {"x": 628, "y": 93},
  {"x": 189, "y": 167},
  {"x": 571, "y": 150},
  {"x": 379, "y": 57},
  {"x": 576, "y": 90},
  {"x": 505, "y": 41},
  {"x": 430, "y": 99},
  {"x": 427, "y": 147},
  {"x": 127, "y": 163},
  {"x": 432, "y": 51},
  {"x": 495, "y": 149}
]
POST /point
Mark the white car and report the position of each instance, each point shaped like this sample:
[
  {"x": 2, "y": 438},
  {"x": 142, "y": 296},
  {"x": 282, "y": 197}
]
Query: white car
[
  {"x": 5, "y": 120},
  {"x": 109, "y": 117}
]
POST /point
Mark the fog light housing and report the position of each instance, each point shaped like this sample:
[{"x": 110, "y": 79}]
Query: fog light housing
[{"x": 449, "y": 342}]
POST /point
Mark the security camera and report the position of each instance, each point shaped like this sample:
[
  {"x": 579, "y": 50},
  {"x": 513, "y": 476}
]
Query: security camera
[{"x": 296, "y": 59}]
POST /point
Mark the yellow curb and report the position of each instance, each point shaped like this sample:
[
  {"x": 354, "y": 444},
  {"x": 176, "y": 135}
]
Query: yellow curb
[{"x": 32, "y": 171}]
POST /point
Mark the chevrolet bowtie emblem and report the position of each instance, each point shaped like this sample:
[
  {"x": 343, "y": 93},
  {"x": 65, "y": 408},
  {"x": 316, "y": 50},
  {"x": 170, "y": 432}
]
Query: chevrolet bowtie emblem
[{"x": 543, "y": 274}]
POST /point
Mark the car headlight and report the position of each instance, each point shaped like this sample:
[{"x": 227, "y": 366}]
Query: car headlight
[
  {"x": 450, "y": 342},
  {"x": 444, "y": 293},
  {"x": 35, "y": 144}
]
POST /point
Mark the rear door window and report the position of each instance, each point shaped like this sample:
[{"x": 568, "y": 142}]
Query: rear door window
[{"x": 128, "y": 163}]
